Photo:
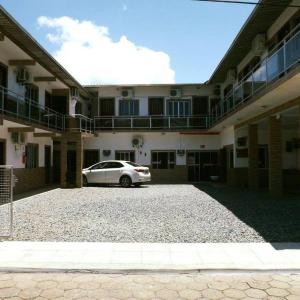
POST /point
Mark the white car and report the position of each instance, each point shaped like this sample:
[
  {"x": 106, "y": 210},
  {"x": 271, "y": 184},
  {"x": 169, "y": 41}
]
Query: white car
[{"x": 120, "y": 172}]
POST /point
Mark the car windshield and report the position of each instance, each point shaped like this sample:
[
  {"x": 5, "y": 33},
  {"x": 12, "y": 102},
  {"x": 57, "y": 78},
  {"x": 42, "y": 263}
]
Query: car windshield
[{"x": 133, "y": 164}]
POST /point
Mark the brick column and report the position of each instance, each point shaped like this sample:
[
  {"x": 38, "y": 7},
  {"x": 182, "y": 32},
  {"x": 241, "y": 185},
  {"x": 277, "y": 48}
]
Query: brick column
[
  {"x": 275, "y": 156},
  {"x": 79, "y": 161},
  {"x": 253, "y": 180},
  {"x": 63, "y": 161}
]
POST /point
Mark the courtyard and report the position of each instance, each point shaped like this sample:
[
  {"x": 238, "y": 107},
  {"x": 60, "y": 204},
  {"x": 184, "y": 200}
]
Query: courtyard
[{"x": 156, "y": 213}]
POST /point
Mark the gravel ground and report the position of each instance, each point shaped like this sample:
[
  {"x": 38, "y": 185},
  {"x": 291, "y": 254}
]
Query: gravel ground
[{"x": 155, "y": 213}]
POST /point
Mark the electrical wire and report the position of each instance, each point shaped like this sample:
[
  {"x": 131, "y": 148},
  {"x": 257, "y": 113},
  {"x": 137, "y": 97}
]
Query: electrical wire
[{"x": 250, "y": 3}]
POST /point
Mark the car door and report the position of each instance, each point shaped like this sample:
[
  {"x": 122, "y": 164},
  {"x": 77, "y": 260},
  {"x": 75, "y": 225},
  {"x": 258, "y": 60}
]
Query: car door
[
  {"x": 96, "y": 173},
  {"x": 113, "y": 172}
]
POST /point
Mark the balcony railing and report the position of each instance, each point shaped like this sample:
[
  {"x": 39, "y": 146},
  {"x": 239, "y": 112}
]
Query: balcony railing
[
  {"x": 80, "y": 123},
  {"x": 151, "y": 123},
  {"x": 22, "y": 108},
  {"x": 280, "y": 61}
]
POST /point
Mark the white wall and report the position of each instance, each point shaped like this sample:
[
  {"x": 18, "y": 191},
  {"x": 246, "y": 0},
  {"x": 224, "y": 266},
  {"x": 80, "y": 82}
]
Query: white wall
[
  {"x": 14, "y": 157},
  {"x": 142, "y": 93},
  {"x": 227, "y": 136},
  {"x": 9, "y": 51},
  {"x": 152, "y": 141}
]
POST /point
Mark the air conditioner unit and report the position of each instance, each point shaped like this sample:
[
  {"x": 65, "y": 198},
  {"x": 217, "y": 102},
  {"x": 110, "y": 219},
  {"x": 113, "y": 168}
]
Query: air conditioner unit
[
  {"x": 175, "y": 93},
  {"x": 137, "y": 142},
  {"x": 127, "y": 93},
  {"x": 259, "y": 44},
  {"x": 18, "y": 138},
  {"x": 22, "y": 76},
  {"x": 231, "y": 75}
]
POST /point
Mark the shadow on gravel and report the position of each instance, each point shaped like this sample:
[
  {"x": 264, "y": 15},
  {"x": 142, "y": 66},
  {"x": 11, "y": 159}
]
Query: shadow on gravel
[
  {"x": 35, "y": 192},
  {"x": 275, "y": 219}
]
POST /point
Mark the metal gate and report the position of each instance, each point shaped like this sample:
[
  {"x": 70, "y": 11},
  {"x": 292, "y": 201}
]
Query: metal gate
[{"x": 6, "y": 201}]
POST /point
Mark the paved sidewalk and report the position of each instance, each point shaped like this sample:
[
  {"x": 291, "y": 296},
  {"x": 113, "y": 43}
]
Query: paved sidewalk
[
  {"x": 137, "y": 256},
  {"x": 149, "y": 286}
]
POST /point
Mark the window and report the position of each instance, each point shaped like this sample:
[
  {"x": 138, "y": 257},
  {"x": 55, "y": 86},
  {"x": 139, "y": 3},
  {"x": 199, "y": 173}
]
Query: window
[
  {"x": 263, "y": 157},
  {"x": 32, "y": 156},
  {"x": 163, "y": 159},
  {"x": 125, "y": 155},
  {"x": 78, "y": 108},
  {"x": 32, "y": 92},
  {"x": 98, "y": 166},
  {"x": 129, "y": 107},
  {"x": 113, "y": 165},
  {"x": 179, "y": 107}
]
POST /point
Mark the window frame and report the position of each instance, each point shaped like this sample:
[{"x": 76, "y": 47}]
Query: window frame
[
  {"x": 131, "y": 108},
  {"x": 176, "y": 107},
  {"x": 170, "y": 164},
  {"x": 125, "y": 152},
  {"x": 113, "y": 162},
  {"x": 34, "y": 163},
  {"x": 32, "y": 93}
]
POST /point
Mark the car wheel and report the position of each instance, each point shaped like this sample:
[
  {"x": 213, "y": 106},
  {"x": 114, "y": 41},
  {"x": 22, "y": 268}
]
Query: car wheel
[
  {"x": 84, "y": 181},
  {"x": 125, "y": 181}
]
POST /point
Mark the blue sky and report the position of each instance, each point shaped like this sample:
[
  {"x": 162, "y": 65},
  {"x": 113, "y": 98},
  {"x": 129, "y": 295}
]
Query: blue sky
[{"x": 193, "y": 36}]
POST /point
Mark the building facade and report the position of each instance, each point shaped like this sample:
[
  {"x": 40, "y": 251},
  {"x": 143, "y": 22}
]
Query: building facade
[{"x": 241, "y": 126}]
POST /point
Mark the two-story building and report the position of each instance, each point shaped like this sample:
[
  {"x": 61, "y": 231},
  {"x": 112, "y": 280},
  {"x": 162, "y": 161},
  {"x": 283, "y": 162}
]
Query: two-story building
[
  {"x": 241, "y": 126},
  {"x": 162, "y": 126},
  {"x": 36, "y": 95}
]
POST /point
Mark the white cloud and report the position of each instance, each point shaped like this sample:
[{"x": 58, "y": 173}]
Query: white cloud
[{"x": 88, "y": 52}]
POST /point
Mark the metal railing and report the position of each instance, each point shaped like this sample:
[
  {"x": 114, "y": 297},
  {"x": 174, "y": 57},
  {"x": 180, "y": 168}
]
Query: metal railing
[
  {"x": 284, "y": 56},
  {"x": 23, "y": 108},
  {"x": 6, "y": 201},
  {"x": 151, "y": 122},
  {"x": 80, "y": 123}
]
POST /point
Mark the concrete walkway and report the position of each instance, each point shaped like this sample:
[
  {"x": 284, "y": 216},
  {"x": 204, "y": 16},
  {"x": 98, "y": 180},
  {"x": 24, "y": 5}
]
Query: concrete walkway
[
  {"x": 155, "y": 257},
  {"x": 159, "y": 286}
]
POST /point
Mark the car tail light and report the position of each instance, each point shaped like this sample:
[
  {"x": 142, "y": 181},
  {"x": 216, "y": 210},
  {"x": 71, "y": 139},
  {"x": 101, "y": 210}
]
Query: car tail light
[{"x": 139, "y": 170}]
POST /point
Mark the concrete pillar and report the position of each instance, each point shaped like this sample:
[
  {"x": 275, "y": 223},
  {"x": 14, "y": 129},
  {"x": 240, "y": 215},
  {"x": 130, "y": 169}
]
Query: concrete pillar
[
  {"x": 275, "y": 156},
  {"x": 79, "y": 161},
  {"x": 253, "y": 174},
  {"x": 63, "y": 161}
]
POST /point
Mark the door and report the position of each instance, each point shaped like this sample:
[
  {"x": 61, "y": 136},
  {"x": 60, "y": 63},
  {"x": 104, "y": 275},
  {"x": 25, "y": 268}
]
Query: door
[
  {"x": 107, "y": 107},
  {"x": 97, "y": 174},
  {"x": 47, "y": 158},
  {"x": 71, "y": 167},
  {"x": 2, "y": 152},
  {"x": 56, "y": 166},
  {"x": 90, "y": 157},
  {"x": 113, "y": 172},
  {"x": 200, "y": 106},
  {"x": 202, "y": 165},
  {"x": 193, "y": 164},
  {"x": 156, "y": 106},
  {"x": 59, "y": 103}
]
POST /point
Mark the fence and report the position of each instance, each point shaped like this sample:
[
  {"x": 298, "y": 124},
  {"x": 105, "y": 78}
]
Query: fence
[{"x": 6, "y": 201}]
